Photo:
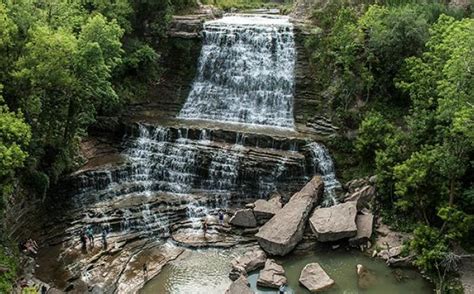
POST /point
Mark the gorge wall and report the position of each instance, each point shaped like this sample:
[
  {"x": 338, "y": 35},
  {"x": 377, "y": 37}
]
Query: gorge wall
[{"x": 224, "y": 138}]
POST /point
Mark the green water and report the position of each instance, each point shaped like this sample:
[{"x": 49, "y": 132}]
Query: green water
[{"x": 205, "y": 272}]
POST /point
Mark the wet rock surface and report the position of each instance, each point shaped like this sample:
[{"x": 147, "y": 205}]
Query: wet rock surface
[
  {"x": 272, "y": 275},
  {"x": 250, "y": 261},
  {"x": 366, "y": 278},
  {"x": 314, "y": 278},
  {"x": 335, "y": 222},
  {"x": 283, "y": 232},
  {"x": 239, "y": 286}
]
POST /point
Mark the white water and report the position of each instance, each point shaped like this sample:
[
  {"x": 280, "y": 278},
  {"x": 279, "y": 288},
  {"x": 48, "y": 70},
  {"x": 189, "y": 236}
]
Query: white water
[
  {"x": 245, "y": 75},
  {"x": 245, "y": 72},
  {"x": 323, "y": 164}
]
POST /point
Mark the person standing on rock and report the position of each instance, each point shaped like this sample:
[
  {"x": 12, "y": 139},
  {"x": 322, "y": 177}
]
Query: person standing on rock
[
  {"x": 104, "y": 237},
  {"x": 221, "y": 217},
  {"x": 83, "y": 241},
  {"x": 204, "y": 227},
  {"x": 282, "y": 289},
  {"x": 90, "y": 236},
  {"x": 145, "y": 271}
]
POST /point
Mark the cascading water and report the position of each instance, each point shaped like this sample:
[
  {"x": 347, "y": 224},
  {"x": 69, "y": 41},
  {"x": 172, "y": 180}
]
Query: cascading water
[
  {"x": 323, "y": 164},
  {"x": 245, "y": 72},
  {"x": 245, "y": 75}
]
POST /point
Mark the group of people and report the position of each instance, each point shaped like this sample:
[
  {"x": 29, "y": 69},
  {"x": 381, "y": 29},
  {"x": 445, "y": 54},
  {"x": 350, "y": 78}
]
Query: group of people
[
  {"x": 87, "y": 236},
  {"x": 29, "y": 246}
]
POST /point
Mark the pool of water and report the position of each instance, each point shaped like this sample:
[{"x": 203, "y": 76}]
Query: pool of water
[{"x": 206, "y": 272}]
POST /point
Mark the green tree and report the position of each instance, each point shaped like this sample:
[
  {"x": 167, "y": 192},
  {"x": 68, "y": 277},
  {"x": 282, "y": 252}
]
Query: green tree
[
  {"x": 372, "y": 133},
  {"x": 66, "y": 79},
  {"x": 15, "y": 136}
]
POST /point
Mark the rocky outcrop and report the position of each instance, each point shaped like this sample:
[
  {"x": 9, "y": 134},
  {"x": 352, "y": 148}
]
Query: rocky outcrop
[
  {"x": 389, "y": 253},
  {"x": 462, "y": 4},
  {"x": 244, "y": 218},
  {"x": 364, "y": 224},
  {"x": 272, "y": 275},
  {"x": 264, "y": 210},
  {"x": 356, "y": 184},
  {"x": 335, "y": 222},
  {"x": 283, "y": 232},
  {"x": 362, "y": 196},
  {"x": 190, "y": 26},
  {"x": 248, "y": 262},
  {"x": 314, "y": 278},
  {"x": 389, "y": 241},
  {"x": 239, "y": 286},
  {"x": 366, "y": 278}
]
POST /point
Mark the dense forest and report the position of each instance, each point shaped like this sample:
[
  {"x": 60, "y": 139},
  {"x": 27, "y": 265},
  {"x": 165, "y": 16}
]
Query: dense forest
[
  {"x": 402, "y": 75},
  {"x": 397, "y": 77}
]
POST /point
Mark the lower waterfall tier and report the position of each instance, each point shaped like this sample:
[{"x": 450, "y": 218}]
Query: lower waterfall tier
[{"x": 170, "y": 175}]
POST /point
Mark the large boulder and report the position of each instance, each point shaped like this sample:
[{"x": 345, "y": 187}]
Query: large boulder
[
  {"x": 314, "y": 278},
  {"x": 362, "y": 196},
  {"x": 335, "y": 222},
  {"x": 264, "y": 210},
  {"x": 239, "y": 286},
  {"x": 365, "y": 224},
  {"x": 272, "y": 275},
  {"x": 283, "y": 232},
  {"x": 248, "y": 262},
  {"x": 244, "y": 218},
  {"x": 366, "y": 278}
]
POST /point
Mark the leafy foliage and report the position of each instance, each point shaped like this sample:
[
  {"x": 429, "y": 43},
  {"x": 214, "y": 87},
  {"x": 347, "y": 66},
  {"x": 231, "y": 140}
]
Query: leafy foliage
[
  {"x": 63, "y": 63},
  {"x": 425, "y": 166}
]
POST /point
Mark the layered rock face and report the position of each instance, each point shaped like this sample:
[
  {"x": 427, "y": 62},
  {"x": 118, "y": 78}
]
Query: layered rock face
[
  {"x": 283, "y": 232},
  {"x": 246, "y": 263},
  {"x": 272, "y": 275}
]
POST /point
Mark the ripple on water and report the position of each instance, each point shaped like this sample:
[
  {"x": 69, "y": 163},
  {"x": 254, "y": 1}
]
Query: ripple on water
[
  {"x": 206, "y": 272},
  {"x": 197, "y": 272}
]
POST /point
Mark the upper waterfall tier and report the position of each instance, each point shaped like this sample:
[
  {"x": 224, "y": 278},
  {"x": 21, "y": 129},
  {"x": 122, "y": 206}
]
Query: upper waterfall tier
[{"x": 245, "y": 72}]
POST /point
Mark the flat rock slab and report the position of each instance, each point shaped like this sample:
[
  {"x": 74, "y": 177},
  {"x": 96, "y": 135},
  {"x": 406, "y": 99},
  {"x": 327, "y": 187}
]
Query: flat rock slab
[
  {"x": 265, "y": 210},
  {"x": 283, "y": 232},
  {"x": 335, "y": 222},
  {"x": 239, "y": 286},
  {"x": 244, "y": 218},
  {"x": 272, "y": 275},
  {"x": 314, "y": 278},
  {"x": 365, "y": 224},
  {"x": 155, "y": 257},
  {"x": 197, "y": 239},
  {"x": 248, "y": 262}
]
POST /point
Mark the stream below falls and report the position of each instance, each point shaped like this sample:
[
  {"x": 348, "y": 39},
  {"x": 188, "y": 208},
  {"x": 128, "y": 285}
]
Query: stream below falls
[{"x": 206, "y": 271}]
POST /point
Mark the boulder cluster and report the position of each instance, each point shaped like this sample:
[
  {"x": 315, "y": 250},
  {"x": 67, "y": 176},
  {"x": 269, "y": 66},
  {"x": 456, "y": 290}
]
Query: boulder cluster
[{"x": 282, "y": 227}]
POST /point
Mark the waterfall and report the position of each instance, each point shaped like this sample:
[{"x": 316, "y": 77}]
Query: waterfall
[
  {"x": 323, "y": 164},
  {"x": 159, "y": 165},
  {"x": 245, "y": 72},
  {"x": 245, "y": 75}
]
